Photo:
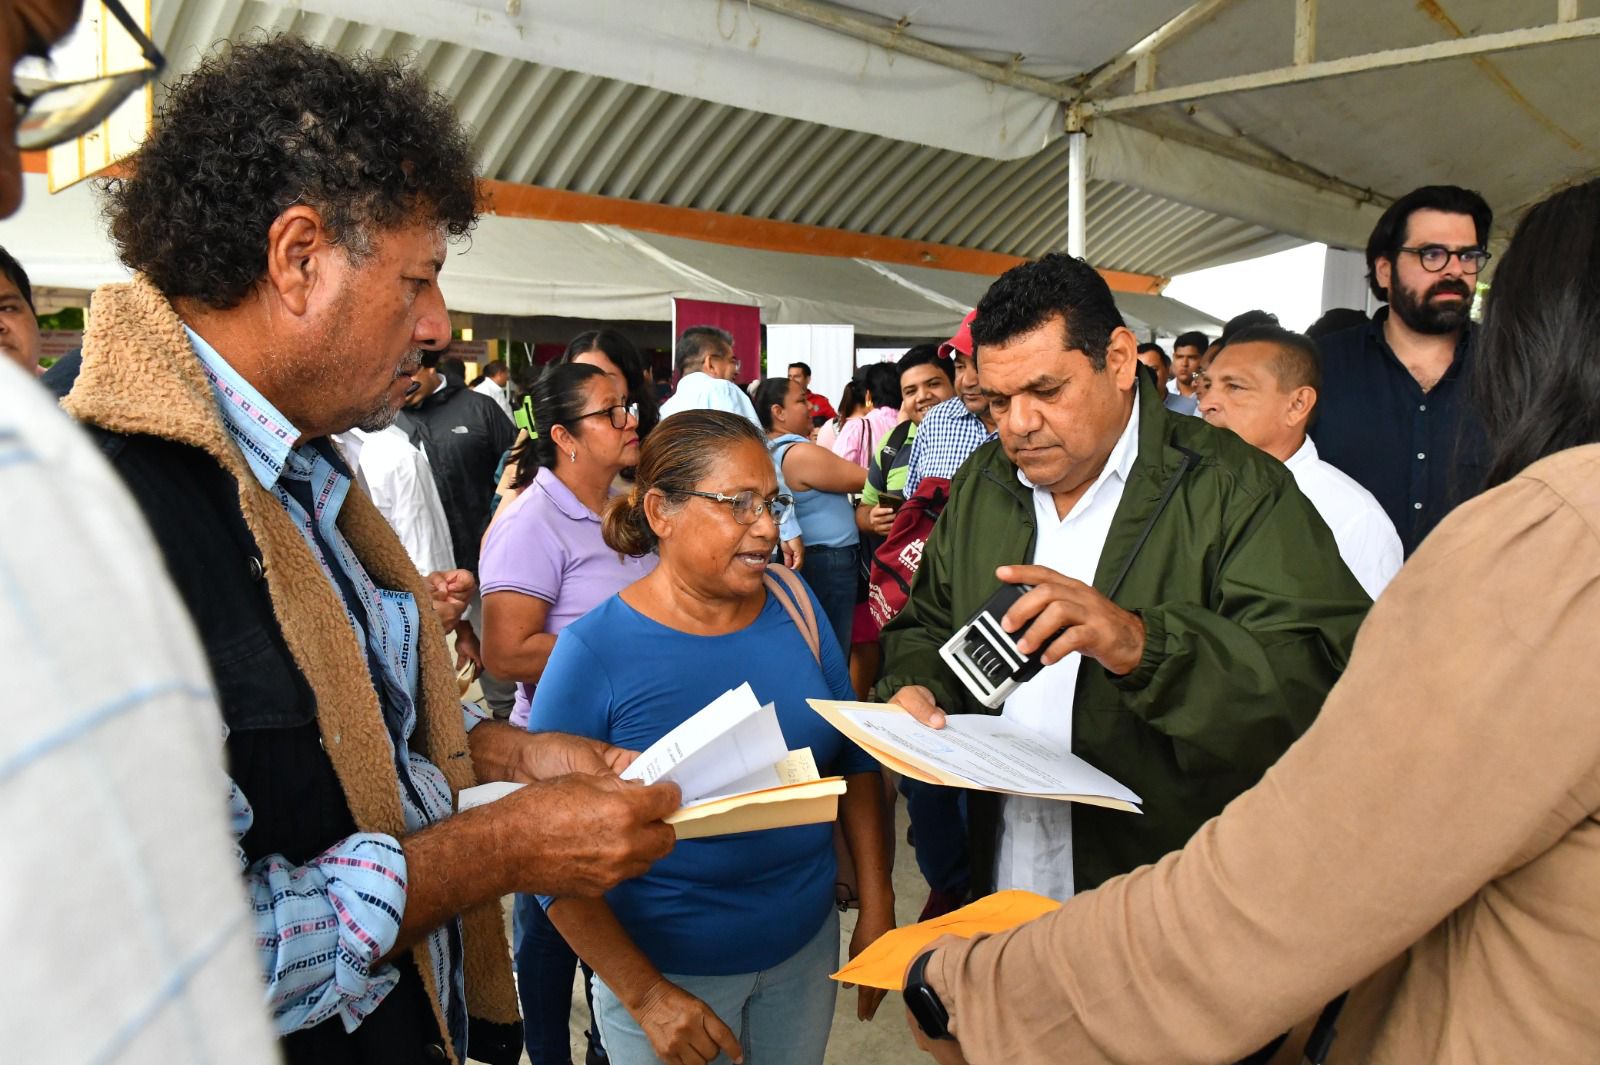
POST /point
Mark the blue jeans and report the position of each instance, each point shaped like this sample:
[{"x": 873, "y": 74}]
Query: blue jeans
[
  {"x": 939, "y": 822},
  {"x": 831, "y": 573},
  {"x": 781, "y": 1015},
  {"x": 545, "y": 968}
]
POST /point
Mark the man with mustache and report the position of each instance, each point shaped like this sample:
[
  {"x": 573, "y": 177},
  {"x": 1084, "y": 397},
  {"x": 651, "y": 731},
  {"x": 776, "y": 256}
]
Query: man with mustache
[
  {"x": 286, "y": 220},
  {"x": 1393, "y": 413}
]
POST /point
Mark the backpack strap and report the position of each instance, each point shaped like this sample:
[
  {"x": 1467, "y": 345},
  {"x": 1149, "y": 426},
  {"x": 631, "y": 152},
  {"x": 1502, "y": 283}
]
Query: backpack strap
[{"x": 784, "y": 583}]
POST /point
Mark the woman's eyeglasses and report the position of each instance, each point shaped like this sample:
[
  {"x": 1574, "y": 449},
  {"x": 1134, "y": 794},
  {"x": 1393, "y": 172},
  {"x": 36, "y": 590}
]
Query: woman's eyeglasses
[
  {"x": 747, "y": 506},
  {"x": 54, "y": 114},
  {"x": 619, "y": 415}
]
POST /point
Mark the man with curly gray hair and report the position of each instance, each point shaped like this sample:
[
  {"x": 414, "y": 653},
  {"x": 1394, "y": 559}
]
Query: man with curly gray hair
[{"x": 287, "y": 219}]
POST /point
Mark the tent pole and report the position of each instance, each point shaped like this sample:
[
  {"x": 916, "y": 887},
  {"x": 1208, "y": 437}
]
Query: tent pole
[
  {"x": 1077, "y": 188},
  {"x": 1300, "y": 73}
]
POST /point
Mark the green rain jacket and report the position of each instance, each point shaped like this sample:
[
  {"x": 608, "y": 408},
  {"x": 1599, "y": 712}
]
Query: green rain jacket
[{"x": 1249, "y": 615}]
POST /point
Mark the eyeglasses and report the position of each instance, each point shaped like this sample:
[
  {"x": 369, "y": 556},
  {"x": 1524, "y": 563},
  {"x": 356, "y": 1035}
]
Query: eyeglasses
[
  {"x": 55, "y": 114},
  {"x": 619, "y": 415},
  {"x": 1435, "y": 257},
  {"x": 747, "y": 506}
]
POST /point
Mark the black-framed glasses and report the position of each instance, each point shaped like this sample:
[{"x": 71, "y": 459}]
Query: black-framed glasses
[
  {"x": 1435, "y": 257},
  {"x": 747, "y": 506},
  {"x": 54, "y": 114},
  {"x": 619, "y": 415}
]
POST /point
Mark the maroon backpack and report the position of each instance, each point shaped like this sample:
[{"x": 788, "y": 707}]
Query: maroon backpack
[{"x": 896, "y": 559}]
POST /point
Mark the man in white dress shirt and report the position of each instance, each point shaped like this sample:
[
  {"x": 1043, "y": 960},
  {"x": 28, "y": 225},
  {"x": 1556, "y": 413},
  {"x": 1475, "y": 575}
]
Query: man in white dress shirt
[
  {"x": 1189, "y": 604},
  {"x": 1264, "y": 387},
  {"x": 706, "y": 369},
  {"x": 495, "y": 383}
]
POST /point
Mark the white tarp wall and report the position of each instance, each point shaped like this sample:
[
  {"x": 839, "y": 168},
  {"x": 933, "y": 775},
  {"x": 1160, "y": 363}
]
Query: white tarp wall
[
  {"x": 1344, "y": 281},
  {"x": 830, "y": 351}
]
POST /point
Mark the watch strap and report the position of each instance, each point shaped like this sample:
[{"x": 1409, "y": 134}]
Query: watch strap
[{"x": 923, "y": 1002}]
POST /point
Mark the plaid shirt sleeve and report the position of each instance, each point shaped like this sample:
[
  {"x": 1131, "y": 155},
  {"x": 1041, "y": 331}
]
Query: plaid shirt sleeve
[{"x": 320, "y": 928}]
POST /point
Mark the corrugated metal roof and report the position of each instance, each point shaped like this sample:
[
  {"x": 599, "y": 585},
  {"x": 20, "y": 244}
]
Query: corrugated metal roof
[{"x": 561, "y": 129}]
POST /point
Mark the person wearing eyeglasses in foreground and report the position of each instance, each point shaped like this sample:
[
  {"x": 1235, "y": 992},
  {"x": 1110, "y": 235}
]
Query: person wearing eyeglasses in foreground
[
  {"x": 1432, "y": 843},
  {"x": 1392, "y": 411},
  {"x": 137, "y": 943},
  {"x": 724, "y": 947},
  {"x": 45, "y": 114}
]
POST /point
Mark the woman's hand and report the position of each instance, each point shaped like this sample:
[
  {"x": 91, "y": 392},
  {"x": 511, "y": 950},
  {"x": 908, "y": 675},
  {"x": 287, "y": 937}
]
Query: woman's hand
[
  {"x": 683, "y": 1030},
  {"x": 872, "y": 923}
]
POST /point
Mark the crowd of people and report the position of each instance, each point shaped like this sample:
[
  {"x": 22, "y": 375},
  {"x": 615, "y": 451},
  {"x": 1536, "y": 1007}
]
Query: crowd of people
[{"x": 1320, "y": 600}]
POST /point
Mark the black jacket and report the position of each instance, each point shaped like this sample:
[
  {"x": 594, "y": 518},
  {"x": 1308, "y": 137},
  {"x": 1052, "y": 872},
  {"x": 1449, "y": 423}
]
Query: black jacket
[{"x": 464, "y": 434}]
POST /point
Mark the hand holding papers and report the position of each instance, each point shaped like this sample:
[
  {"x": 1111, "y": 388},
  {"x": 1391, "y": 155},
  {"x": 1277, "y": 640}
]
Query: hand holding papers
[
  {"x": 734, "y": 769},
  {"x": 974, "y": 751},
  {"x": 884, "y": 963}
]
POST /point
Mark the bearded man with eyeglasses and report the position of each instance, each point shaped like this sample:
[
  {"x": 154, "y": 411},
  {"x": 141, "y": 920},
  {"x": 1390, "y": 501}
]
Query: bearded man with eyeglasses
[{"x": 1393, "y": 411}]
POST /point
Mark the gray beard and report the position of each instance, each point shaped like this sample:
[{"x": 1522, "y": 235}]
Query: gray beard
[{"x": 378, "y": 419}]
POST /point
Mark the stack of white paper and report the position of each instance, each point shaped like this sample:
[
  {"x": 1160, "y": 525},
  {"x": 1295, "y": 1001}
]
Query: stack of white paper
[{"x": 733, "y": 745}]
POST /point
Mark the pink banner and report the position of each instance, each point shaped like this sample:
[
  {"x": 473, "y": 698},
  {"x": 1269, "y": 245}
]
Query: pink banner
[{"x": 741, "y": 320}]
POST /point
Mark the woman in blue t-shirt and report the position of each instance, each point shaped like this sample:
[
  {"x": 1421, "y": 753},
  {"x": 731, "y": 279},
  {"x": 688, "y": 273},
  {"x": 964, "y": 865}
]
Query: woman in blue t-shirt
[{"x": 727, "y": 942}]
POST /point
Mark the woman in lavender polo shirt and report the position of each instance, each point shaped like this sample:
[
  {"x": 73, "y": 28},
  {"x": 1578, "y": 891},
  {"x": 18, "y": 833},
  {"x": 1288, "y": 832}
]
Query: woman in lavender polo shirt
[{"x": 544, "y": 565}]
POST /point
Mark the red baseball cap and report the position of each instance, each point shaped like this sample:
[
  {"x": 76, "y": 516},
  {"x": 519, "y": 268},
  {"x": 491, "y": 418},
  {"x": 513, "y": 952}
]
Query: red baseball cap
[{"x": 962, "y": 341}]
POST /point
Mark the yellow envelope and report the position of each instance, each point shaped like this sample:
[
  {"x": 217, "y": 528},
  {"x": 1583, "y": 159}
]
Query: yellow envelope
[{"x": 884, "y": 963}]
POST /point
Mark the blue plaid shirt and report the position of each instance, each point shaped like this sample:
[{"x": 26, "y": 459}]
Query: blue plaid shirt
[
  {"x": 949, "y": 433},
  {"x": 320, "y": 928}
]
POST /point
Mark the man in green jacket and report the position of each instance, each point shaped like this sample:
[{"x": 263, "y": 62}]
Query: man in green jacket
[{"x": 1192, "y": 605}]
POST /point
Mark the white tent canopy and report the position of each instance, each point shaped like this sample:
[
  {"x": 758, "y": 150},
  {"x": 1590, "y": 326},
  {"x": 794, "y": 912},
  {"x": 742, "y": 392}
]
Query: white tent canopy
[
  {"x": 1322, "y": 119},
  {"x": 524, "y": 268}
]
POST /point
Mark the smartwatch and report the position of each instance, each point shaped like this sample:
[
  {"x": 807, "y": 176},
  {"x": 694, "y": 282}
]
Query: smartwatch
[{"x": 924, "y": 1004}]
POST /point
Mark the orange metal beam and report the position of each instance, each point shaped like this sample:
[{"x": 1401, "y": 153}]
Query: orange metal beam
[{"x": 512, "y": 200}]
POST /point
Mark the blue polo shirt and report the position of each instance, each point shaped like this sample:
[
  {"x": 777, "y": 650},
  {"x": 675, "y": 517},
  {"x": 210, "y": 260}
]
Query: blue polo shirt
[
  {"x": 725, "y": 904},
  {"x": 1420, "y": 453}
]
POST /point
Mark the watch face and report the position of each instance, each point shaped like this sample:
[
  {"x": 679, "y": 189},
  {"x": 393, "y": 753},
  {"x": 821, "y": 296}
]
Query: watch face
[
  {"x": 932, "y": 1017},
  {"x": 928, "y": 1012}
]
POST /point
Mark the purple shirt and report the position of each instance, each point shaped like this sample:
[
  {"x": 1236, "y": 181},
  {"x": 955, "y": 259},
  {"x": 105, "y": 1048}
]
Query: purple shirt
[{"x": 548, "y": 545}]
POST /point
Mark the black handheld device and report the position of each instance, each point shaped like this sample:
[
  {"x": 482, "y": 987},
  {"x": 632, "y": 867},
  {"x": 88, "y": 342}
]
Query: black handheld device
[{"x": 985, "y": 656}]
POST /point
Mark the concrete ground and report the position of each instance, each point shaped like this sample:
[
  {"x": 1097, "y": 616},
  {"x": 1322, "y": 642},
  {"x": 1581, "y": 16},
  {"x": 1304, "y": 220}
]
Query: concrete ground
[{"x": 882, "y": 1041}]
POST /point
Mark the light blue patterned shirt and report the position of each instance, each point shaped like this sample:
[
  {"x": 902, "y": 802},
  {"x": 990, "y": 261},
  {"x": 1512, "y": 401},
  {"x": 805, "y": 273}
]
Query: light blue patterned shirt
[
  {"x": 321, "y": 927},
  {"x": 949, "y": 433}
]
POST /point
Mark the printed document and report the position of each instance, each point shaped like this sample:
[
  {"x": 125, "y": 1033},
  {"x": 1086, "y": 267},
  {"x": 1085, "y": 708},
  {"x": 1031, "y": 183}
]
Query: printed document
[
  {"x": 731, "y": 745},
  {"x": 974, "y": 751},
  {"x": 734, "y": 769}
]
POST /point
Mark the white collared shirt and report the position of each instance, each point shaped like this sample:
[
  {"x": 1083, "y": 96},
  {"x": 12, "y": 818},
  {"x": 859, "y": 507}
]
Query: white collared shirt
[
  {"x": 1035, "y": 847},
  {"x": 1366, "y": 537},
  {"x": 487, "y": 387},
  {"x": 398, "y": 478},
  {"x": 701, "y": 391}
]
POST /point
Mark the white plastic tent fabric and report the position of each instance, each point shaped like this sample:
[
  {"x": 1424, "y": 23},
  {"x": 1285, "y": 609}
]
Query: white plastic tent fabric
[
  {"x": 526, "y": 268},
  {"x": 1315, "y": 160},
  {"x": 731, "y": 53}
]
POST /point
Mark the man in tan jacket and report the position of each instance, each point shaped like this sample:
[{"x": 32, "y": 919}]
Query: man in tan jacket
[{"x": 1432, "y": 843}]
